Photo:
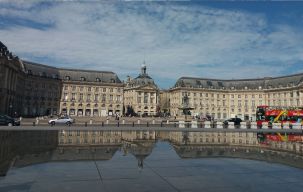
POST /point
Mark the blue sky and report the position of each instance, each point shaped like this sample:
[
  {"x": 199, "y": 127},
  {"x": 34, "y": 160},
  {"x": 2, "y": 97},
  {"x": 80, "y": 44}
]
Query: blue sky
[{"x": 225, "y": 40}]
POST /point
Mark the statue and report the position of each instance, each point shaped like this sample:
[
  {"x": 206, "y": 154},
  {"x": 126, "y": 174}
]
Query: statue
[
  {"x": 185, "y": 101},
  {"x": 185, "y": 106}
]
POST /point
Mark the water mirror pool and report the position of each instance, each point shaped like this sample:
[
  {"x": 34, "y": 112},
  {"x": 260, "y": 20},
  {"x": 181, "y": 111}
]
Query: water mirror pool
[{"x": 149, "y": 161}]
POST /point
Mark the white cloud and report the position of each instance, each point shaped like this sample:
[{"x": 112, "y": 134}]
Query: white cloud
[{"x": 177, "y": 40}]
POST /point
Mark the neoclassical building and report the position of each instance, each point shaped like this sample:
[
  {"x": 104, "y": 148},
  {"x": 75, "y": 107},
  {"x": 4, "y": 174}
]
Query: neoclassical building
[
  {"x": 11, "y": 73},
  {"x": 42, "y": 89},
  {"x": 32, "y": 89},
  {"x": 90, "y": 93},
  {"x": 141, "y": 94},
  {"x": 73, "y": 92},
  {"x": 223, "y": 99}
]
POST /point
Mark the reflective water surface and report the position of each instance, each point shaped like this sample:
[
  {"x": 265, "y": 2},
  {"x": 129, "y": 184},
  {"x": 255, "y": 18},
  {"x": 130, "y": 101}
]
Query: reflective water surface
[{"x": 149, "y": 161}]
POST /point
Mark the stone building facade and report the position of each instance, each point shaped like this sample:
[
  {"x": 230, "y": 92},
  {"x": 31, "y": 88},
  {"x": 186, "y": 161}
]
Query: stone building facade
[
  {"x": 11, "y": 73},
  {"x": 141, "y": 94},
  {"x": 223, "y": 99},
  {"x": 90, "y": 93},
  {"x": 31, "y": 89},
  {"x": 42, "y": 89}
]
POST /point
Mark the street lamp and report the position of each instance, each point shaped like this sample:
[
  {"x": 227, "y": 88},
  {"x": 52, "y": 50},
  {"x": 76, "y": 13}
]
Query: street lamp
[{"x": 10, "y": 109}]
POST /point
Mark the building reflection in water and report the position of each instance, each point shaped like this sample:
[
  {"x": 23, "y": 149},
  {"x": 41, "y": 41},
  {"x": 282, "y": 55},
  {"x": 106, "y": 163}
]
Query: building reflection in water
[{"x": 22, "y": 148}]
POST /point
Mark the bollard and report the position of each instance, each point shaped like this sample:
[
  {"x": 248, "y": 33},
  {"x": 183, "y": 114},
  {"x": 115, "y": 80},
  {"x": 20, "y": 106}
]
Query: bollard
[
  {"x": 123, "y": 121},
  {"x": 167, "y": 122},
  {"x": 34, "y": 124},
  {"x": 181, "y": 124},
  {"x": 85, "y": 124},
  {"x": 102, "y": 124},
  {"x": 107, "y": 121},
  {"x": 139, "y": 121},
  {"x": 153, "y": 121},
  {"x": 90, "y": 121},
  {"x": 194, "y": 124}
]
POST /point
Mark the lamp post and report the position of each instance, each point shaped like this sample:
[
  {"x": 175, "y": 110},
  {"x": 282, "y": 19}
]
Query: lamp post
[{"x": 10, "y": 109}]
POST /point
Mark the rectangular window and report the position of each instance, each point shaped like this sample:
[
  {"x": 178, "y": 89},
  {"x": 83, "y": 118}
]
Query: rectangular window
[
  {"x": 96, "y": 97},
  {"x": 73, "y": 96},
  {"x": 145, "y": 97},
  {"x": 103, "y": 97},
  {"x": 65, "y": 96}
]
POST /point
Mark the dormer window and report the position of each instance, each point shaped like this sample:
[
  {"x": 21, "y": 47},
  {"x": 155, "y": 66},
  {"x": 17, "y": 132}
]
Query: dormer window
[
  {"x": 54, "y": 76},
  {"x": 67, "y": 78},
  {"x": 29, "y": 72},
  {"x": 220, "y": 84},
  {"x": 245, "y": 88},
  {"x": 232, "y": 88},
  {"x": 98, "y": 79},
  {"x": 112, "y": 81},
  {"x": 260, "y": 87},
  {"x": 209, "y": 83},
  {"x": 82, "y": 78}
]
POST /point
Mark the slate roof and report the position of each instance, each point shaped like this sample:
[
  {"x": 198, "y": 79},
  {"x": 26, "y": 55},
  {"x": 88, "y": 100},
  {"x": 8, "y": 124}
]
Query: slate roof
[
  {"x": 70, "y": 74},
  {"x": 142, "y": 79},
  {"x": 263, "y": 83}
]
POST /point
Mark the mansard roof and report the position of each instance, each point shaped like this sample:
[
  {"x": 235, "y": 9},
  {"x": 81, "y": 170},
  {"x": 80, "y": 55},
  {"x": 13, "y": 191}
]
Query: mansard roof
[
  {"x": 261, "y": 83},
  {"x": 89, "y": 75},
  {"x": 70, "y": 74}
]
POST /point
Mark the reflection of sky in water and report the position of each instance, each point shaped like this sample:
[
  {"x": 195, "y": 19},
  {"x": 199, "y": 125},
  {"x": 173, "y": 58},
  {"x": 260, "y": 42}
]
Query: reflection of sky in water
[{"x": 164, "y": 168}]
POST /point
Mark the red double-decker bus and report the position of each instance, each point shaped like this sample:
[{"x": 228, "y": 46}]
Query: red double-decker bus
[{"x": 278, "y": 114}]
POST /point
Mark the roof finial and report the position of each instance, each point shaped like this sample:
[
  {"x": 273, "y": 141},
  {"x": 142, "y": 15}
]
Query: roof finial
[{"x": 143, "y": 69}]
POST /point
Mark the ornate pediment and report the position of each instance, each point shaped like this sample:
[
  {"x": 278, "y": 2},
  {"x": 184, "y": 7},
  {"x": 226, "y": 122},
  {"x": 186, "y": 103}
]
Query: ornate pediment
[{"x": 147, "y": 87}]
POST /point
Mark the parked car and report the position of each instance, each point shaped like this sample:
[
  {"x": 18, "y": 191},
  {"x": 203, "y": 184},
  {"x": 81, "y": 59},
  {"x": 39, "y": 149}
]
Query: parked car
[
  {"x": 236, "y": 120},
  {"x": 62, "y": 120},
  {"x": 8, "y": 121}
]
